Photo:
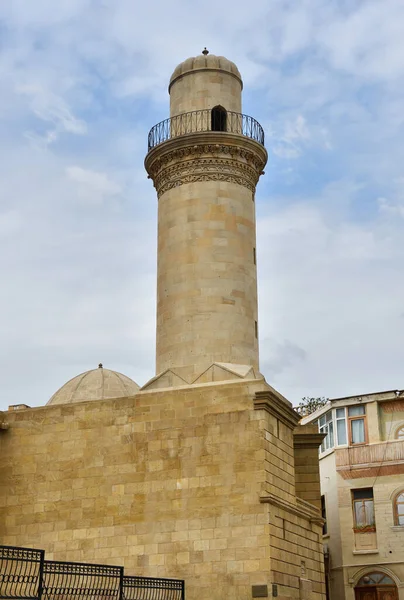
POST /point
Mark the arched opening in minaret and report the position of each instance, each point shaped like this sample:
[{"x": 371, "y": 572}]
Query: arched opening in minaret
[{"x": 218, "y": 119}]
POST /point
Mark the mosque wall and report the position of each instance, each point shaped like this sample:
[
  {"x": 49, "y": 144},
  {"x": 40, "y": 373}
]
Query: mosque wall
[{"x": 196, "y": 483}]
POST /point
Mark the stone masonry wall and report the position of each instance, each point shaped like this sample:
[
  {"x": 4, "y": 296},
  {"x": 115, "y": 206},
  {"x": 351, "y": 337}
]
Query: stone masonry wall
[
  {"x": 199, "y": 90},
  {"x": 167, "y": 483},
  {"x": 207, "y": 279}
]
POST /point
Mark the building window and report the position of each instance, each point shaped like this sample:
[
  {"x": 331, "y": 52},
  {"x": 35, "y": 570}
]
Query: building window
[
  {"x": 399, "y": 509},
  {"x": 325, "y": 425},
  {"x": 256, "y": 329},
  {"x": 363, "y": 510},
  {"x": 375, "y": 579},
  {"x": 341, "y": 426},
  {"x": 254, "y": 256},
  {"x": 357, "y": 424},
  {"x": 400, "y": 433},
  {"x": 219, "y": 119},
  {"x": 324, "y": 515}
]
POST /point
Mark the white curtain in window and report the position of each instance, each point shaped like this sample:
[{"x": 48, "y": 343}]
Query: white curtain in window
[
  {"x": 341, "y": 431},
  {"x": 358, "y": 431},
  {"x": 364, "y": 513}
]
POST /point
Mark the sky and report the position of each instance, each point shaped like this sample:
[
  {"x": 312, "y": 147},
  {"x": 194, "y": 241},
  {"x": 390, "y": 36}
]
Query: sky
[{"x": 82, "y": 82}]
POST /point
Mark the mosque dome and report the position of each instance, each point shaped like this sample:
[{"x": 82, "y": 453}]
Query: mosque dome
[
  {"x": 98, "y": 384},
  {"x": 206, "y": 61}
]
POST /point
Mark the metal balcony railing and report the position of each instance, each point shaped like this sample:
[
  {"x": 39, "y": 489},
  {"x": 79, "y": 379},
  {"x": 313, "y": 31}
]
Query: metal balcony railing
[
  {"x": 25, "y": 575},
  {"x": 199, "y": 121}
]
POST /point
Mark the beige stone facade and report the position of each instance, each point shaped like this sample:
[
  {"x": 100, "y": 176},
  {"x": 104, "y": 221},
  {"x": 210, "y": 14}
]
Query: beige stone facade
[
  {"x": 204, "y": 473},
  {"x": 205, "y": 180},
  {"x": 204, "y": 82},
  {"x": 197, "y": 483},
  {"x": 206, "y": 266},
  {"x": 362, "y": 461}
]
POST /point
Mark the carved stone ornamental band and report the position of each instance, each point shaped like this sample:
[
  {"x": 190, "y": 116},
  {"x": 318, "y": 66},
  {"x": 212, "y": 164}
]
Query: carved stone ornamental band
[{"x": 205, "y": 162}]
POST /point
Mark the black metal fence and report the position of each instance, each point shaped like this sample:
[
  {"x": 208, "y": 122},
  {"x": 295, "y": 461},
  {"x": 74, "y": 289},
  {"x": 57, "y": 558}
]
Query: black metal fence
[
  {"x": 152, "y": 588},
  {"x": 26, "y": 575},
  {"x": 21, "y": 572},
  {"x": 202, "y": 121},
  {"x": 80, "y": 581}
]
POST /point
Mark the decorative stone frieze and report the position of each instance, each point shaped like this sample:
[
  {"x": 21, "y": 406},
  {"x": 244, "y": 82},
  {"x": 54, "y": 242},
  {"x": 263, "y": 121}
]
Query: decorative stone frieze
[{"x": 198, "y": 157}]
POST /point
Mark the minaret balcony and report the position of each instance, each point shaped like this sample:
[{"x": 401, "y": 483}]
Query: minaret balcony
[{"x": 202, "y": 121}]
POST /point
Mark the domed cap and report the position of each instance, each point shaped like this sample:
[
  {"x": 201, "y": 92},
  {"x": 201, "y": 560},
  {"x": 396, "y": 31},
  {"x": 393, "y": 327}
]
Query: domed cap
[
  {"x": 205, "y": 61},
  {"x": 97, "y": 384}
]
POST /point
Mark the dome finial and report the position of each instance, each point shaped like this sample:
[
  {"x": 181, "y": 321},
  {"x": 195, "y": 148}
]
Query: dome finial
[
  {"x": 205, "y": 51},
  {"x": 100, "y": 366}
]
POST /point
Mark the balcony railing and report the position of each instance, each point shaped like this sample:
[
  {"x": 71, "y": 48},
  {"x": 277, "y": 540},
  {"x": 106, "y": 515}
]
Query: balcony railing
[
  {"x": 360, "y": 461},
  {"x": 25, "y": 575},
  {"x": 200, "y": 121}
]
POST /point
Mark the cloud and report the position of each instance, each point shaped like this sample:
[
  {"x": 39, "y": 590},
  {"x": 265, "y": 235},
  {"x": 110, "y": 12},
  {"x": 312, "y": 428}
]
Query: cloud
[
  {"x": 331, "y": 289},
  {"x": 372, "y": 40},
  {"x": 280, "y": 357},
  {"x": 391, "y": 207},
  {"x": 295, "y": 134},
  {"x": 10, "y": 222},
  {"x": 50, "y": 108},
  {"x": 92, "y": 185},
  {"x": 83, "y": 82}
]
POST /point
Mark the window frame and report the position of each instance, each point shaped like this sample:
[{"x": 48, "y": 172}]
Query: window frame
[
  {"x": 344, "y": 420},
  {"x": 396, "y": 516},
  {"x": 399, "y": 429},
  {"x": 325, "y": 428},
  {"x": 356, "y": 418},
  {"x": 324, "y": 514},
  {"x": 368, "y": 527},
  {"x": 347, "y": 420},
  {"x": 371, "y": 576}
]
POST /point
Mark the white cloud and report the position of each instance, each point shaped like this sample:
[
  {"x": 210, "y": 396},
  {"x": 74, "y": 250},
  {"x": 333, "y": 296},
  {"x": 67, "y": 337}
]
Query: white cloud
[
  {"x": 367, "y": 41},
  {"x": 334, "y": 292},
  {"x": 296, "y": 137},
  {"x": 51, "y": 108},
  {"x": 392, "y": 208},
  {"x": 10, "y": 222},
  {"x": 85, "y": 81},
  {"x": 93, "y": 185}
]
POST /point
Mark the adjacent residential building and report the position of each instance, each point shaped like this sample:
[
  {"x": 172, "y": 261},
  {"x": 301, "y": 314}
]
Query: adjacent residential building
[{"x": 362, "y": 486}]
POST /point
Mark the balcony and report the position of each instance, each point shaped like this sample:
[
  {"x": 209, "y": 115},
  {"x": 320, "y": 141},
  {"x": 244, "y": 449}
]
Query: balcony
[
  {"x": 202, "y": 121},
  {"x": 385, "y": 458}
]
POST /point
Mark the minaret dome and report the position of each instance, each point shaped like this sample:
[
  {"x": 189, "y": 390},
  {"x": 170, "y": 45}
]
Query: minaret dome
[{"x": 204, "y": 81}]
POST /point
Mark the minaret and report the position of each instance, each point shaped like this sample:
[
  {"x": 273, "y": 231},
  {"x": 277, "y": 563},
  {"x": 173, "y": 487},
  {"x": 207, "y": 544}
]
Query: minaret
[{"x": 205, "y": 162}]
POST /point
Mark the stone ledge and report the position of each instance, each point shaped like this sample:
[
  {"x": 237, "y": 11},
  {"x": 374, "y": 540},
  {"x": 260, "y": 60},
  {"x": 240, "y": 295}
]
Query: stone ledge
[
  {"x": 301, "y": 509},
  {"x": 276, "y": 406}
]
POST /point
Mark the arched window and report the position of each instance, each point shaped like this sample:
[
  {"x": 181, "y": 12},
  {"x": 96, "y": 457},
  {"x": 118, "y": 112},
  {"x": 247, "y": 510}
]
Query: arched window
[
  {"x": 399, "y": 509},
  {"x": 219, "y": 119},
  {"x": 375, "y": 579},
  {"x": 400, "y": 433}
]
